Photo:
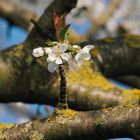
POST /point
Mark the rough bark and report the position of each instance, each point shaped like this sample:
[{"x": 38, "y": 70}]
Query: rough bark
[
  {"x": 24, "y": 79},
  {"x": 16, "y": 15},
  {"x": 27, "y": 80},
  {"x": 120, "y": 55},
  {"x": 71, "y": 125}
]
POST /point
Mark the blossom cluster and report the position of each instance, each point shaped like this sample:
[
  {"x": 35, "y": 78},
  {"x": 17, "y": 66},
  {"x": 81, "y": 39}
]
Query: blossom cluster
[{"x": 59, "y": 53}]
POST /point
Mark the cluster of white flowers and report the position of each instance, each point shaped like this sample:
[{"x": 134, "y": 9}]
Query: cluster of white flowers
[{"x": 63, "y": 52}]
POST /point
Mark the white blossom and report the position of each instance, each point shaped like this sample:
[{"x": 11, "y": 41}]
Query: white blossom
[
  {"x": 57, "y": 54},
  {"x": 83, "y": 54},
  {"x": 52, "y": 67},
  {"x": 60, "y": 53},
  {"x": 38, "y": 52}
]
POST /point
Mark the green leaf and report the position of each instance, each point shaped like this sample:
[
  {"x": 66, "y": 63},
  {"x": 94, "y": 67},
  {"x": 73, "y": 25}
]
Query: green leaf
[{"x": 63, "y": 32}]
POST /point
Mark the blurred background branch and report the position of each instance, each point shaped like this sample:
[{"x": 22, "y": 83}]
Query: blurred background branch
[{"x": 16, "y": 15}]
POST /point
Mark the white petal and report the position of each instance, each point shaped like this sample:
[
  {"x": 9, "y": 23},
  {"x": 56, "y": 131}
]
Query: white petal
[
  {"x": 52, "y": 57},
  {"x": 58, "y": 61},
  {"x": 52, "y": 67},
  {"x": 38, "y": 52},
  {"x": 48, "y": 50},
  {"x": 78, "y": 59},
  {"x": 87, "y": 48},
  {"x": 72, "y": 64},
  {"x": 63, "y": 47},
  {"x": 65, "y": 56},
  {"x": 86, "y": 56},
  {"x": 57, "y": 69},
  {"x": 48, "y": 60},
  {"x": 75, "y": 47},
  {"x": 90, "y": 47},
  {"x": 55, "y": 49}
]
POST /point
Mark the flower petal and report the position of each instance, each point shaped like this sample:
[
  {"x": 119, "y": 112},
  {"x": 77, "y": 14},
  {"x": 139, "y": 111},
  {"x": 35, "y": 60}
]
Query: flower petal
[
  {"x": 90, "y": 47},
  {"x": 75, "y": 47},
  {"x": 52, "y": 67},
  {"x": 55, "y": 49},
  {"x": 48, "y": 50},
  {"x": 58, "y": 61},
  {"x": 65, "y": 56},
  {"x": 38, "y": 52},
  {"x": 86, "y": 56},
  {"x": 52, "y": 57},
  {"x": 72, "y": 64},
  {"x": 87, "y": 48},
  {"x": 78, "y": 59},
  {"x": 63, "y": 47}
]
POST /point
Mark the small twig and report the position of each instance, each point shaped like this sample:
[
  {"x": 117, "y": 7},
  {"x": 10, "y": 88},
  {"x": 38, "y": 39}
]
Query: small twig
[{"x": 62, "y": 103}]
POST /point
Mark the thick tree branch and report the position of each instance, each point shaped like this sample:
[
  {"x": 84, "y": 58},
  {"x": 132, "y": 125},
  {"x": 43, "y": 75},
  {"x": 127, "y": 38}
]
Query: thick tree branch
[
  {"x": 68, "y": 124},
  {"x": 120, "y": 55},
  {"x": 16, "y": 15},
  {"x": 29, "y": 78},
  {"x": 45, "y": 29},
  {"x": 22, "y": 78}
]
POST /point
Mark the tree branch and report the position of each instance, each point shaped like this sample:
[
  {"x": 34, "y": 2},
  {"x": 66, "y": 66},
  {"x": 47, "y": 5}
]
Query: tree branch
[
  {"x": 22, "y": 78},
  {"x": 120, "y": 55},
  {"x": 131, "y": 80},
  {"x": 68, "y": 124},
  {"x": 103, "y": 19},
  {"x": 29, "y": 78},
  {"x": 16, "y": 15}
]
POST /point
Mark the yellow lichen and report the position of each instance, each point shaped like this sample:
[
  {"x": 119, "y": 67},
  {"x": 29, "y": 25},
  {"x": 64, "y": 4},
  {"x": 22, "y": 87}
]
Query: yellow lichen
[
  {"x": 62, "y": 115},
  {"x": 129, "y": 106},
  {"x": 87, "y": 76},
  {"x": 17, "y": 51},
  {"x": 99, "y": 121},
  {"x": 65, "y": 112},
  {"x": 2, "y": 126},
  {"x": 29, "y": 60},
  {"x": 35, "y": 135},
  {"x": 131, "y": 95}
]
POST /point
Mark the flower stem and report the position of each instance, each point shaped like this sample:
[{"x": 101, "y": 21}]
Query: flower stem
[{"x": 62, "y": 103}]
